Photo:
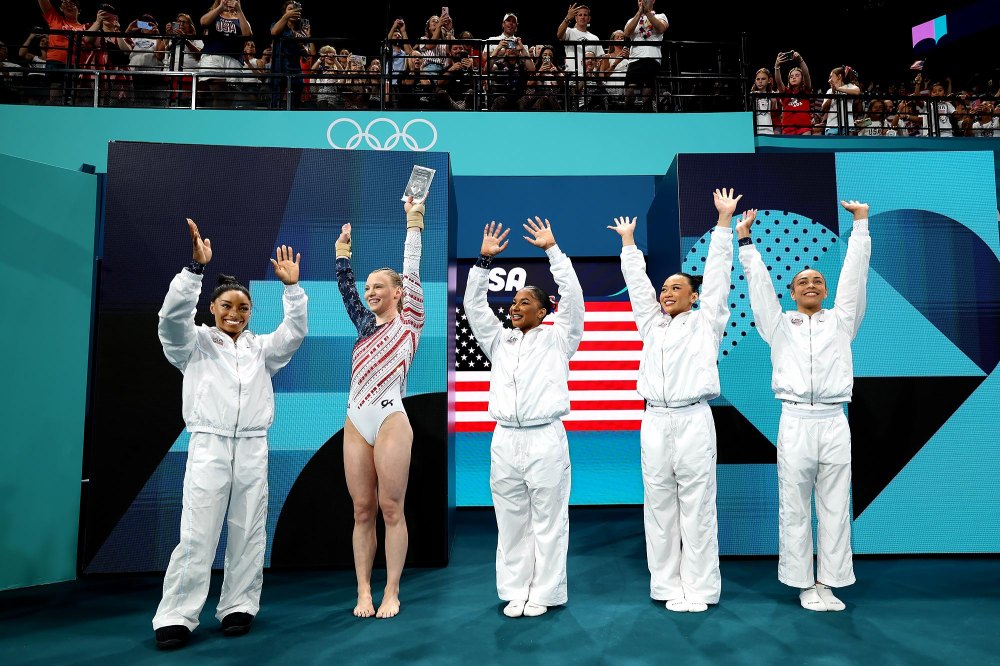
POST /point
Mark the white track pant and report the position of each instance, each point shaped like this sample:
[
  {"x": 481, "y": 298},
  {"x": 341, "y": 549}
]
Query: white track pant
[
  {"x": 221, "y": 472},
  {"x": 678, "y": 477},
  {"x": 530, "y": 481},
  {"x": 814, "y": 450}
]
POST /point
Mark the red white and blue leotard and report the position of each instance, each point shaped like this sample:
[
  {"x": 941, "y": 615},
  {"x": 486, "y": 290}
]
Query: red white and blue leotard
[{"x": 383, "y": 353}]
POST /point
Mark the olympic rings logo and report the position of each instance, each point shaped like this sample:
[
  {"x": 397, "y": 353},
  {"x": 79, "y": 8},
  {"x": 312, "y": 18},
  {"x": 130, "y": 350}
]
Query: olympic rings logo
[{"x": 374, "y": 142}]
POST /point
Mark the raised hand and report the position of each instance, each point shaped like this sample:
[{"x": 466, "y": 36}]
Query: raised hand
[
  {"x": 571, "y": 13},
  {"x": 408, "y": 204},
  {"x": 541, "y": 232},
  {"x": 626, "y": 229},
  {"x": 285, "y": 268},
  {"x": 725, "y": 203},
  {"x": 201, "y": 250},
  {"x": 493, "y": 240},
  {"x": 859, "y": 210},
  {"x": 743, "y": 226},
  {"x": 345, "y": 234}
]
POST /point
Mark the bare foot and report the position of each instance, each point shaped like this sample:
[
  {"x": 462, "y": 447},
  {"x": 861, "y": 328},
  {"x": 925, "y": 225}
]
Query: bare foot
[
  {"x": 365, "y": 607},
  {"x": 389, "y": 606}
]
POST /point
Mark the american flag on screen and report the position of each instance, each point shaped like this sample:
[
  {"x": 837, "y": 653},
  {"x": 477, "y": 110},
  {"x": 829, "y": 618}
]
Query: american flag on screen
[{"x": 602, "y": 373}]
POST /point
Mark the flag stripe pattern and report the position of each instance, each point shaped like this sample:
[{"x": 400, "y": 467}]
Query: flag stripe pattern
[{"x": 602, "y": 373}]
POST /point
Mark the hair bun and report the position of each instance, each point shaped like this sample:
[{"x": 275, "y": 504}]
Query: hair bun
[{"x": 227, "y": 279}]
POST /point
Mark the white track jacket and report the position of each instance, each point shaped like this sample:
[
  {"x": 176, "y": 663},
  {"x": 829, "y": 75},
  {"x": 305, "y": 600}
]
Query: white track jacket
[
  {"x": 529, "y": 372},
  {"x": 680, "y": 355},
  {"x": 811, "y": 356},
  {"x": 227, "y": 385}
]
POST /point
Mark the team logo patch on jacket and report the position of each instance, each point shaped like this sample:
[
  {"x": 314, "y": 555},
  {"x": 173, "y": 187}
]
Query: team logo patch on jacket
[
  {"x": 797, "y": 321},
  {"x": 217, "y": 340}
]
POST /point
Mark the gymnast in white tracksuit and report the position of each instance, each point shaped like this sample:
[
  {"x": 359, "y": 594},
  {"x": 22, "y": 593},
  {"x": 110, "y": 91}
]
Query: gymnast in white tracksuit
[
  {"x": 813, "y": 377},
  {"x": 678, "y": 375},
  {"x": 228, "y": 407},
  {"x": 529, "y": 392}
]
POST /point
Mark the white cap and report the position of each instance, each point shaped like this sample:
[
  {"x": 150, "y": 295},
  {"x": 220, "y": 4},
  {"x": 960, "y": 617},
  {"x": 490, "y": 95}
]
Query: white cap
[{"x": 510, "y": 15}]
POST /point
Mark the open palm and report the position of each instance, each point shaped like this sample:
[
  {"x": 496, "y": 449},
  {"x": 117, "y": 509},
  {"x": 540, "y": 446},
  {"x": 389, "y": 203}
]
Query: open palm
[
  {"x": 493, "y": 240},
  {"x": 285, "y": 268},
  {"x": 541, "y": 233}
]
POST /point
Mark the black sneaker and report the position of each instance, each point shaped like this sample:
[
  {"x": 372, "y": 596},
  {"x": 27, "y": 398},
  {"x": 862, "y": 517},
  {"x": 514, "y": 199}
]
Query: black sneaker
[
  {"x": 172, "y": 637},
  {"x": 236, "y": 624}
]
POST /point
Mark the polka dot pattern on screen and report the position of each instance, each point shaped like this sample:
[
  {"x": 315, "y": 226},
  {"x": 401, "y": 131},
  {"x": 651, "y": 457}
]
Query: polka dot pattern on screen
[{"x": 788, "y": 243}]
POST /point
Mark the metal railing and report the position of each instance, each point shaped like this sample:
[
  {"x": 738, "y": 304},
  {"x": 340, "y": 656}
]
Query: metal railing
[
  {"x": 694, "y": 76},
  {"x": 873, "y": 115}
]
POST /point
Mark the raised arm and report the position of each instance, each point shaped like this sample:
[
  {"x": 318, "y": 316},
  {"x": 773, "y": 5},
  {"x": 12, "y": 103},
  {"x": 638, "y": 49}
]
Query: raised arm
[
  {"x": 806, "y": 79},
  {"x": 763, "y": 299},
  {"x": 280, "y": 25},
  {"x": 567, "y": 22},
  {"x": 641, "y": 292},
  {"x": 413, "y": 302},
  {"x": 569, "y": 323},
  {"x": 212, "y": 14},
  {"x": 852, "y": 286},
  {"x": 719, "y": 265},
  {"x": 279, "y": 346},
  {"x": 634, "y": 21},
  {"x": 177, "y": 331},
  {"x": 362, "y": 317},
  {"x": 245, "y": 28},
  {"x": 777, "y": 72},
  {"x": 484, "y": 324}
]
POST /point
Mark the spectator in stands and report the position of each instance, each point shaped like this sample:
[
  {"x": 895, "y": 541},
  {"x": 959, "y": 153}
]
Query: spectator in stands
[
  {"x": 645, "y": 29},
  {"x": 986, "y": 124},
  {"x": 875, "y": 124},
  {"x": 545, "y": 86},
  {"x": 458, "y": 79},
  {"x": 964, "y": 118},
  {"x": 765, "y": 108},
  {"x": 795, "y": 115},
  {"x": 400, "y": 50},
  {"x": 324, "y": 82},
  {"x": 288, "y": 47},
  {"x": 61, "y": 53},
  {"x": 354, "y": 90},
  {"x": 8, "y": 70},
  {"x": 33, "y": 51},
  {"x": 576, "y": 28},
  {"x": 843, "y": 81},
  {"x": 616, "y": 66},
  {"x": 908, "y": 121},
  {"x": 595, "y": 94},
  {"x": 185, "y": 51},
  {"x": 510, "y": 68},
  {"x": 434, "y": 55},
  {"x": 226, "y": 29},
  {"x": 507, "y": 41},
  {"x": 180, "y": 52},
  {"x": 108, "y": 53},
  {"x": 944, "y": 109},
  {"x": 447, "y": 24},
  {"x": 145, "y": 58}
]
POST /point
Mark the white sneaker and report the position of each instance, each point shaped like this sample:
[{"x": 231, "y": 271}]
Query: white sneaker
[
  {"x": 678, "y": 605},
  {"x": 826, "y": 594},
  {"x": 534, "y": 610},
  {"x": 810, "y": 600},
  {"x": 697, "y": 607},
  {"x": 514, "y": 609}
]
